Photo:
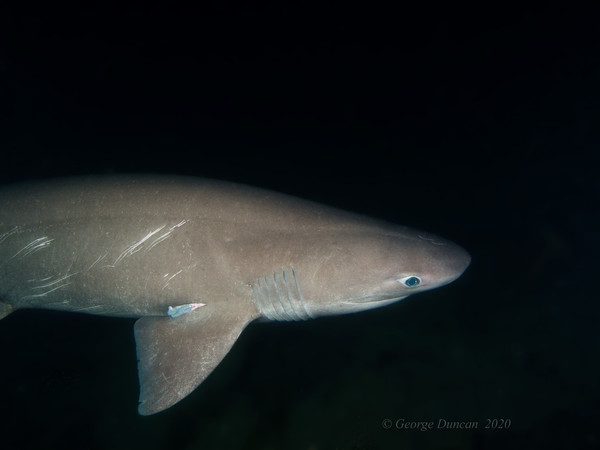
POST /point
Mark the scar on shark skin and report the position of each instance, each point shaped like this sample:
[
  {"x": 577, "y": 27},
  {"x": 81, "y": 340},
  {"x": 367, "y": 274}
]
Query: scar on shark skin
[
  {"x": 33, "y": 247},
  {"x": 6, "y": 235},
  {"x": 137, "y": 246}
]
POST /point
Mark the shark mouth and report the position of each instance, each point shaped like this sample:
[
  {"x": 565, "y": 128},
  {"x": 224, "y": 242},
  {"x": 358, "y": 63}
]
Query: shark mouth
[{"x": 374, "y": 299}]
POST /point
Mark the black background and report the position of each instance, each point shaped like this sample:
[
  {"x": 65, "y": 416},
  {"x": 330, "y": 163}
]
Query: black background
[{"x": 480, "y": 124}]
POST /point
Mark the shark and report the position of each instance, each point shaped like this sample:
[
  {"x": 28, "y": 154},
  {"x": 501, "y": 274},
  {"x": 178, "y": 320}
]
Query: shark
[{"x": 196, "y": 260}]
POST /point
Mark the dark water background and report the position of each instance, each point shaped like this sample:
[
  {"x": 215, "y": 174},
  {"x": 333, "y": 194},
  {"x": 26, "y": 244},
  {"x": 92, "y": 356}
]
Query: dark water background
[{"x": 481, "y": 125}]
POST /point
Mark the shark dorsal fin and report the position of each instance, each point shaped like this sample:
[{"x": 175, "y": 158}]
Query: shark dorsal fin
[{"x": 175, "y": 354}]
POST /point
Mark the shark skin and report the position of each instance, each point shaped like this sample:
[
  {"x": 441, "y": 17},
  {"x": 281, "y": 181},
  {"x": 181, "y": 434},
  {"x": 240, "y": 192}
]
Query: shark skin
[{"x": 196, "y": 260}]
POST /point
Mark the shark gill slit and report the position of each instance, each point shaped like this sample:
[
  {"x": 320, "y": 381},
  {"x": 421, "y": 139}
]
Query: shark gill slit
[
  {"x": 277, "y": 299},
  {"x": 288, "y": 299},
  {"x": 288, "y": 312},
  {"x": 300, "y": 297},
  {"x": 264, "y": 302},
  {"x": 295, "y": 295},
  {"x": 274, "y": 302}
]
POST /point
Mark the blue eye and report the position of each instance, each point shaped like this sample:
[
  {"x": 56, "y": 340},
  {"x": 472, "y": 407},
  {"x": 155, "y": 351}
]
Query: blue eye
[{"x": 410, "y": 282}]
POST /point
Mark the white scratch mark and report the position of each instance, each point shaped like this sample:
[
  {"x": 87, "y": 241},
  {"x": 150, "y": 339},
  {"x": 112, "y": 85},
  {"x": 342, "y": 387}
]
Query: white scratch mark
[
  {"x": 33, "y": 247},
  {"x": 174, "y": 275},
  {"x": 72, "y": 262},
  {"x": 100, "y": 258},
  {"x": 33, "y": 280},
  {"x": 43, "y": 294},
  {"x": 159, "y": 240},
  {"x": 184, "y": 221},
  {"x": 169, "y": 277},
  {"x": 165, "y": 236},
  {"x": 137, "y": 246},
  {"x": 52, "y": 283},
  {"x": 6, "y": 235}
]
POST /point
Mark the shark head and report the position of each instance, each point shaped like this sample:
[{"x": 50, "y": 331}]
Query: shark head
[{"x": 357, "y": 271}]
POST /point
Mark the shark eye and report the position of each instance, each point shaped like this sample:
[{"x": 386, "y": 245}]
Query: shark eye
[{"x": 410, "y": 282}]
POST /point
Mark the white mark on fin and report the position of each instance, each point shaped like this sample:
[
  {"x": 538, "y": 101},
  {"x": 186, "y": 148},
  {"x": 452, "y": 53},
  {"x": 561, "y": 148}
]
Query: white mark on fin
[{"x": 176, "y": 311}]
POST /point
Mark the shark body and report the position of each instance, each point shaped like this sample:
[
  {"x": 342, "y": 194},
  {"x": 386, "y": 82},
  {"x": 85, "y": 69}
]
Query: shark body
[{"x": 196, "y": 260}]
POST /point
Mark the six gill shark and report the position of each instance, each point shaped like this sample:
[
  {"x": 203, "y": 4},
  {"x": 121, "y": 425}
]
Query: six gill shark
[{"x": 196, "y": 260}]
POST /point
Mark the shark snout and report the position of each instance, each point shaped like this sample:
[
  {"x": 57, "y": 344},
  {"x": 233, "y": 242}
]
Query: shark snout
[{"x": 455, "y": 261}]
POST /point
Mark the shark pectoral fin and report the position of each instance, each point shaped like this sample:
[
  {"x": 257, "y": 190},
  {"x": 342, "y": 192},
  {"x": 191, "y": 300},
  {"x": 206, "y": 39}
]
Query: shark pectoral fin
[{"x": 176, "y": 354}]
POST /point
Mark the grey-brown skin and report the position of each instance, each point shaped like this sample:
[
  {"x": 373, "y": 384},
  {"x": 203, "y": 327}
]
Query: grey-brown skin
[{"x": 134, "y": 246}]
